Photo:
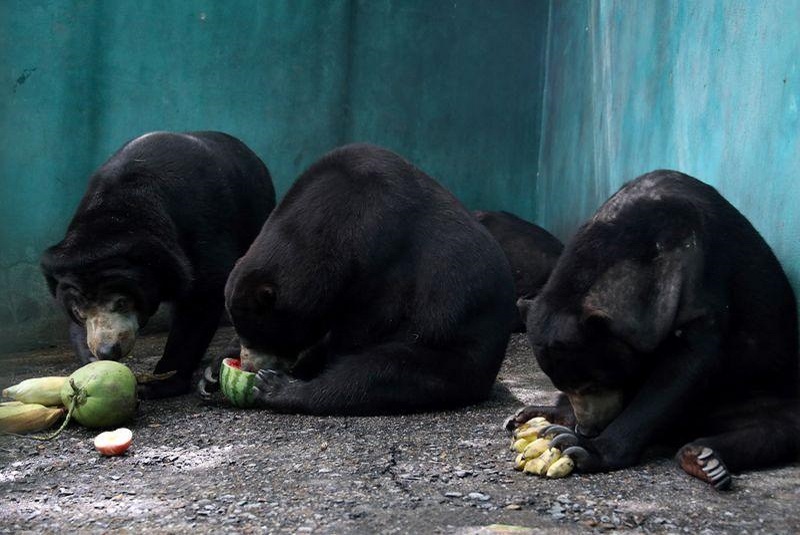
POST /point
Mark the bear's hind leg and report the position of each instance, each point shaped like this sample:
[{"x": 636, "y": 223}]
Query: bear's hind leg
[
  {"x": 389, "y": 378},
  {"x": 767, "y": 435}
]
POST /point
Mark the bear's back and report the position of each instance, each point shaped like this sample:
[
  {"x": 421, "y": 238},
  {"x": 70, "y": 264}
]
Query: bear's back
[{"x": 410, "y": 247}]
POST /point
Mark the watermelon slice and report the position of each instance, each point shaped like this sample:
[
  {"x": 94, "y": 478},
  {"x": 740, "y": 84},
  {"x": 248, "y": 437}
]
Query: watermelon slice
[{"x": 236, "y": 384}]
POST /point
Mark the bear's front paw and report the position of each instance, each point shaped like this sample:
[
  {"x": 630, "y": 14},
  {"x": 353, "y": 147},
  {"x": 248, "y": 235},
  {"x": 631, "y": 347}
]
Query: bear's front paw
[
  {"x": 587, "y": 453},
  {"x": 561, "y": 415},
  {"x": 274, "y": 389},
  {"x": 209, "y": 383}
]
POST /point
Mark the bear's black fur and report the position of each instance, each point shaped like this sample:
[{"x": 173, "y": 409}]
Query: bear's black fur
[
  {"x": 531, "y": 251},
  {"x": 163, "y": 220},
  {"x": 668, "y": 317},
  {"x": 375, "y": 290}
]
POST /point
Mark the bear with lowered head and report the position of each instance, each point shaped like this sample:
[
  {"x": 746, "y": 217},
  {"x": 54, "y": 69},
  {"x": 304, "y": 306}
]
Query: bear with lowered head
[
  {"x": 163, "y": 220},
  {"x": 371, "y": 290},
  {"x": 531, "y": 251},
  {"x": 668, "y": 319}
]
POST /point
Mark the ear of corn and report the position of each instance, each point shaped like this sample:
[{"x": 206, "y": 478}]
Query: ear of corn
[
  {"x": 41, "y": 390},
  {"x": 28, "y": 417}
]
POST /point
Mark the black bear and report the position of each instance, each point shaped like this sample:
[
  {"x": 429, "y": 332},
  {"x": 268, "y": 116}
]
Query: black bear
[
  {"x": 371, "y": 290},
  {"x": 668, "y": 317},
  {"x": 163, "y": 220},
  {"x": 532, "y": 252}
]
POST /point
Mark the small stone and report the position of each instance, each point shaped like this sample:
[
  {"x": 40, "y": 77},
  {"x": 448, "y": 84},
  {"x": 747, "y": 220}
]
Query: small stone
[
  {"x": 513, "y": 506},
  {"x": 462, "y": 473},
  {"x": 479, "y": 496},
  {"x": 453, "y": 494}
]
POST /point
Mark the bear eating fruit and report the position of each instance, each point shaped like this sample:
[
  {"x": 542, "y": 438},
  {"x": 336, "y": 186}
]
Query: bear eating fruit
[
  {"x": 668, "y": 318},
  {"x": 163, "y": 220},
  {"x": 371, "y": 290}
]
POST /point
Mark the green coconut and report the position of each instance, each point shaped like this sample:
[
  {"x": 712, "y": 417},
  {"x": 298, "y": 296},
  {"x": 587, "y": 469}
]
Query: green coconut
[
  {"x": 101, "y": 394},
  {"x": 236, "y": 384}
]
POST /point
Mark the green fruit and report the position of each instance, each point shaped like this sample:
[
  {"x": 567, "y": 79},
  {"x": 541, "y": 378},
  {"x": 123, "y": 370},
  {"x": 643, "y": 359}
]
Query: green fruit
[
  {"x": 101, "y": 394},
  {"x": 236, "y": 384}
]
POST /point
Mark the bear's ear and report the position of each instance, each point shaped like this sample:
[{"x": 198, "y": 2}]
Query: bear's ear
[
  {"x": 265, "y": 296},
  {"x": 639, "y": 301}
]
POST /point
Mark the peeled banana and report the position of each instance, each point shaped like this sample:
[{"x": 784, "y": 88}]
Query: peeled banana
[
  {"x": 561, "y": 468},
  {"x": 536, "y": 448},
  {"x": 535, "y": 454},
  {"x": 27, "y": 417},
  {"x": 519, "y": 445},
  {"x": 41, "y": 390},
  {"x": 540, "y": 464}
]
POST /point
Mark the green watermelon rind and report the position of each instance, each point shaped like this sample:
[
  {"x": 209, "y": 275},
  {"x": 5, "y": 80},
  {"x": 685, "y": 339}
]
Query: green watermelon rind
[{"x": 236, "y": 385}]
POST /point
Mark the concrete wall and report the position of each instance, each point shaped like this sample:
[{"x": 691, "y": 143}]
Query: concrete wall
[
  {"x": 454, "y": 86},
  {"x": 542, "y": 108},
  {"x": 710, "y": 88}
]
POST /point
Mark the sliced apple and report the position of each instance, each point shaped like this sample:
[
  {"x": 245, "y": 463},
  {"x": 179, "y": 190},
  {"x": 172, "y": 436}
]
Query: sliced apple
[{"x": 114, "y": 442}]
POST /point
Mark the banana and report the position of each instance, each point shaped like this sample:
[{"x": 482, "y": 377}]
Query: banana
[
  {"x": 519, "y": 462},
  {"x": 537, "y": 420},
  {"x": 561, "y": 468},
  {"x": 519, "y": 445},
  {"x": 529, "y": 433},
  {"x": 536, "y": 448},
  {"x": 540, "y": 464},
  {"x": 535, "y": 456},
  {"x": 42, "y": 390},
  {"x": 28, "y": 417}
]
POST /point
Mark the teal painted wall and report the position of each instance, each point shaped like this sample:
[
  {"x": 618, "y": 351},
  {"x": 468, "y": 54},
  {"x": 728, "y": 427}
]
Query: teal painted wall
[
  {"x": 710, "y": 88},
  {"x": 543, "y": 108},
  {"x": 454, "y": 86}
]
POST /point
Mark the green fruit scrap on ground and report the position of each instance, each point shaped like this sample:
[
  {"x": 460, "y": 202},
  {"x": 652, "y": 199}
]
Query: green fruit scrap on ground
[{"x": 103, "y": 393}]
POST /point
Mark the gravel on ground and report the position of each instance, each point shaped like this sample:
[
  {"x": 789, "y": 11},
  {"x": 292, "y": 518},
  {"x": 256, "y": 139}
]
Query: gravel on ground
[{"x": 209, "y": 467}]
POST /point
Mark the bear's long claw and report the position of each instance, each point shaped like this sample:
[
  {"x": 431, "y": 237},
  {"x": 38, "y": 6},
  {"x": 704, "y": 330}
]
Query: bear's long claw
[
  {"x": 553, "y": 430},
  {"x": 208, "y": 375},
  {"x": 577, "y": 453},
  {"x": 564, "y": 439},
  {"x": 705, "y": 453}
]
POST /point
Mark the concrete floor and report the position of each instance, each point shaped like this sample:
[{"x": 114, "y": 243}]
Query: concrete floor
[{"x": 197, "y": 467}]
